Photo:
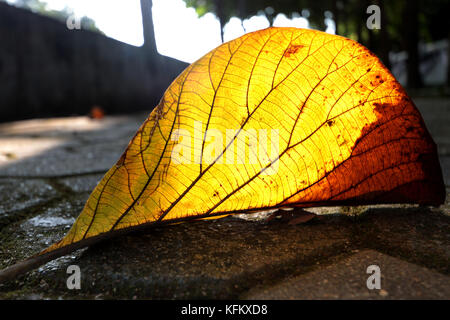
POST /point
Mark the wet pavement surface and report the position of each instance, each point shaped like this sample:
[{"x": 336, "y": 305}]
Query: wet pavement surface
[{"x": 49, "y": 167}]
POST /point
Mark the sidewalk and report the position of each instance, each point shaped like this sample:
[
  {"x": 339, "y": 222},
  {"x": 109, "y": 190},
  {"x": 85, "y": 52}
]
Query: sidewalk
[{"x": 49, "y": 167}]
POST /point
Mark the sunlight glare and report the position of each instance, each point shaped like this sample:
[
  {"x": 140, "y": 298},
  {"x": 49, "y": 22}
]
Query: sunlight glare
[{"x": 179, "y": 32}]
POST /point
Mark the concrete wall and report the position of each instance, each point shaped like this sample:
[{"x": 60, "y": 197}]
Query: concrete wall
[{"x": 49, "y": 70}]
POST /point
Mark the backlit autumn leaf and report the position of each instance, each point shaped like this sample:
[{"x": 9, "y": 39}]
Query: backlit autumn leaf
[{"x": 280, "y": 117}]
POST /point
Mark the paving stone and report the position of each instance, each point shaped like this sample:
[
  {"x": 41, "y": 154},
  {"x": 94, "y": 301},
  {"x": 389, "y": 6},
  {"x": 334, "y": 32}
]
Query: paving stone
[
  {"x": 17, "y": 195},
  {"x": 214, "y": 259},
  {"x": 347, "y": 279},
  {"x": 445, "y": 165},
  {"x": 30, "y": 235},
  {"x": 64, "y": 146},
  {"x": 82, "y": 183},
  {"x": 419, "y": 235},
  {"x": 231, "y": 258},
  {"x": 445, "y": 208}
]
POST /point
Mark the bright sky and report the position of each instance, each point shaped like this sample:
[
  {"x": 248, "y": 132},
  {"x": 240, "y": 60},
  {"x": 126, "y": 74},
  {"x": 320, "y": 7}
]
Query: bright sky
[{"x": 179, "y": 32}]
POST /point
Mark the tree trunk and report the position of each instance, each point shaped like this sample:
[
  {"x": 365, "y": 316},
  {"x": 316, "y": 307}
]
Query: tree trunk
[
  {"x": 218, "y": 4},
  {"x": 371, "y": 38},
  {"x": 411, "y": 33},
  {"x": 242, "y": 11},
  {"x": 149, "y": 32},
  {"x": 360, "y": 22},
  {"x": 334, "y": 10},
  {"x": 448, "y": 60},
  {"x": 384, "y": 41}
]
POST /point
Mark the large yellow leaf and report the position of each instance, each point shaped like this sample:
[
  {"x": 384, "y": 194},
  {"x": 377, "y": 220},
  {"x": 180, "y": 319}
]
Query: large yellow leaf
[{"x": 279, "y": 117}]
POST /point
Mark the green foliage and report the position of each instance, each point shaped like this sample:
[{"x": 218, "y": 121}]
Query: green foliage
[
  {"x": 350, "y": 15},
  {"x": 202, "y": 7},
  {"x": 404, "y": 23}
]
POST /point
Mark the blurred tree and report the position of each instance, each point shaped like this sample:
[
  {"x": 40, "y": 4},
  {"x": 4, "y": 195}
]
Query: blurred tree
[
  {"x": 435, "y": 24},
  {"x": 411, "y": 42},
  {"x": 403, "y": 23},
  {"x": 245, "y": 9}
]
